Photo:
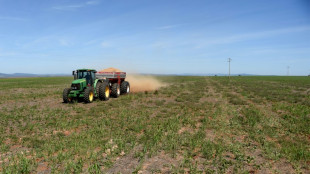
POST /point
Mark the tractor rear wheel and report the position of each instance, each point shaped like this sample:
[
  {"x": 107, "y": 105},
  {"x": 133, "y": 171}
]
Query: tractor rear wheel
[
  {"x": 115, "y": 92},
  {"x": 89, "y": 95},
  {"x": 125, "y": 87},
  {"x": 104, "y": 91},
  {"x": 65, "y": 95}
]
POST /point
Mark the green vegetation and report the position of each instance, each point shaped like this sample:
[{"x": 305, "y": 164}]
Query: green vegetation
[{"x": 194, "y": 124}]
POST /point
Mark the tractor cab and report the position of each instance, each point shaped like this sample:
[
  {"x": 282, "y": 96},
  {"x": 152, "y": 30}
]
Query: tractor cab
[{"x": 87, "y": 74}]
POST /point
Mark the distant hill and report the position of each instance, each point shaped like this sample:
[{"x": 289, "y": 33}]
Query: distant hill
[
  {"x": 210, "y": 74},
  {"x": 3, "y": 75},
  {"x": 220, "y": 74}
]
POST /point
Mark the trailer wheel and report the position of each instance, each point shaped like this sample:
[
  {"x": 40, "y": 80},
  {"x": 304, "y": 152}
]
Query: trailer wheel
[
  {"x": 98, "y": 88},
  {"x": 104, "y": 91},
  {"x": 65, "y": 95},
  {"x": 115, "y": 92},
  {"x": 89, "y": 95},
  {"x": 125, "y": 87}
]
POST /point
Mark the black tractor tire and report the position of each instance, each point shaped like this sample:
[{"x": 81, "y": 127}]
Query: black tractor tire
[
  {"x": 97, "y": 88},
  {"x": 89, "y": 95},
  {"x": 104, "y": 91},
  {"x": 65, "y": 95},
  {"x": 125, "y": 87},
  {"x": 116, "y": 91}
]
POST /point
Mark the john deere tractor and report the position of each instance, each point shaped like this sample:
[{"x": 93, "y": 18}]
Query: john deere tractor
[
  {"x": 85, "y": 86},
  {"x": 88, "y": 85}
]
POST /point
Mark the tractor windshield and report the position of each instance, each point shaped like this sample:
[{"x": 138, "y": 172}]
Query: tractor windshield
[
  {"x": 83, "y": 74},
  {"x": 88, "y": 75}
]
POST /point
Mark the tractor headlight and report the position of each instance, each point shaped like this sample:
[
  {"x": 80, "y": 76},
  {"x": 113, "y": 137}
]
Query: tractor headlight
[{"x": 75, "y": 86}]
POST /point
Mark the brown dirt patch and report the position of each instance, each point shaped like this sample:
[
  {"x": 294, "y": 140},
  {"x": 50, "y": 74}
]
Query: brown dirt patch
[
  {"x": 160, "y": 163},
  {"x": 210, "y": 135},
  {"x": 43, "y": 168},
  {"x": 125, "y": 164},
  {"x": 209, "y": 100},
  {"x": 185, "y": 129},
  {"x": 283, "y": 167}
]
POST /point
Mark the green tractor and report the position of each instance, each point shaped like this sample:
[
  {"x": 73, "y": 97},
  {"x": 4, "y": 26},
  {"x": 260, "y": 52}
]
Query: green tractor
[
  {"x": 85, "y": 86},
  {"x": 88, "y": 85}
]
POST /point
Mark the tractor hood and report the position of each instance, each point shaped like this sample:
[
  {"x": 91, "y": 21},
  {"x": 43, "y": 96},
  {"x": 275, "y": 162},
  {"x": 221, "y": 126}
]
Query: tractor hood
[{"x": 78, "y": 81}]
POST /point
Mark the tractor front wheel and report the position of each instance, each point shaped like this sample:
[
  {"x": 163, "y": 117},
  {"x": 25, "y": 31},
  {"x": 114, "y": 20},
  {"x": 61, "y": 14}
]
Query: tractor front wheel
[
  {"x": 116, "y": 91},
  {"x": 65, "y": 95},
  {"x": 89, "y": 95},
  {"x": 104, "y": 91}
]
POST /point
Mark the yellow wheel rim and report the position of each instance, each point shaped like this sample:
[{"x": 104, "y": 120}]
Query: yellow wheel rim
[
  {"x": 91, "y": 96},
  {"x": 107, "y": 91}
]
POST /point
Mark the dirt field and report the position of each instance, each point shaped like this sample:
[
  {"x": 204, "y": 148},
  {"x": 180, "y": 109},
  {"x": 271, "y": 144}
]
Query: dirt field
[{"x": 190, "y": 125}]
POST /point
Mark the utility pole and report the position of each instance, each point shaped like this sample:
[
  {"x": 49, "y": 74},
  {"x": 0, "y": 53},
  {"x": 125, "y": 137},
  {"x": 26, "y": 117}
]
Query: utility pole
[
  {"x": 229, "y": 60},
  {"x": 288, "y": 70}
]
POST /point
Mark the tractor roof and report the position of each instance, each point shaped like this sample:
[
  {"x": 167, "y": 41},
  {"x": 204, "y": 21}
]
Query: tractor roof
[{"x": 86, "y": 70}]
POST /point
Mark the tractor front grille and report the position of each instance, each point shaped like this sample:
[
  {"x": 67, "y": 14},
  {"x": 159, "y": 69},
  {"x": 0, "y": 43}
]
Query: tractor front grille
[{"x": 75, "y": 86}]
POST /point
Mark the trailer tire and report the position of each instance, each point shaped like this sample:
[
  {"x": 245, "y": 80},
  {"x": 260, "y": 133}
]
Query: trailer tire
[
  {"x": 125, "y": 87},
  {"x": 115, "y": 92},
  {"x": 89, "y": 95},
  {"x": 98, "y": 88},
  {"x": 104, "y": 91},
  {"x": 65, "y": 95}
]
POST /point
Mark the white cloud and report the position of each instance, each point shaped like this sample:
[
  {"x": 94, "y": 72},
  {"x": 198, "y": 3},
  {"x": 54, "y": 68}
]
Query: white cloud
[
  {"x": 251, "y": 36},
  {"x": 45, "y": 41},
  {"x": 166, "y": 27},
  {"x": 160, "y": 44},
  {"x": 64, "y": 42},
  {"x": 35, "y": 42},
  {"x": 73, "y": 7},
  {"x": 268, "y": 33},
  {"x": 12, "y": 18},
  {"x": 91, "y": 42},
  {"x": 92, "y": 2},
  {"x": 105, "y": 44},
  {"x": 67, "y": 7},
  {"x": 7, "y": 54}
]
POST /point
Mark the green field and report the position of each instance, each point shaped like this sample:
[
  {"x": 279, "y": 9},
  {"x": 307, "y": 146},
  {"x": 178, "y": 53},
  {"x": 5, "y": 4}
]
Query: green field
[{"x": 192, "y": 125}]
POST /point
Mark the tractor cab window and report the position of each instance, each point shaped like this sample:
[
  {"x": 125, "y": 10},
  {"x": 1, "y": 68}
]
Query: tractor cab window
[
  {"x": 88, "y": 75},
  {"x": 82, "y": 74},
  {"x": 88, "y": 78},
  {"x": 93, "y": 76}
]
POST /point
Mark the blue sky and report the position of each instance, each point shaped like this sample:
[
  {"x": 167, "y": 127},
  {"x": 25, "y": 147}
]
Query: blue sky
[{"x": 156, "y": 36}]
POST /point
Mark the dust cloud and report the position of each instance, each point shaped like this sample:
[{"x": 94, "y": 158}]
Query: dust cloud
[
  {"x": 138, "y": 82},
  {"x": 141, "y": 83}
]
